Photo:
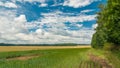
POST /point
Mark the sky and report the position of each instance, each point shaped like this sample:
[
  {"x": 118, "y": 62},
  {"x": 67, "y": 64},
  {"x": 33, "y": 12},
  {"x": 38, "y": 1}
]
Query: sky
[{"x": 48, "y": 21}]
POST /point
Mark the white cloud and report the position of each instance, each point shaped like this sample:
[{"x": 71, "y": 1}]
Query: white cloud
[
  {"x": 94, "y": 26},
  {"x": 11, "y": 25},
  {"x": 77, "y": 3},
  {"x": 15, "y": 29},
  {"x": 43, "y": 5},
  {"x": 57, "y": 16},
  {"x": 8, "y": 4},
  {"x": 71, "y": 3},
  {"x": 88, "y": 10},
  {"x": 21, "y": 18},
  {"x": 41, "y": 1},
  {"x": 55, "y": 21}
]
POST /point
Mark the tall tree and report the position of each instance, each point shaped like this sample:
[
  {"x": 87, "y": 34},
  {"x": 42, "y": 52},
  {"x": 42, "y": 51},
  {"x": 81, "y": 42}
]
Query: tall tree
[{"x": 108, "y": 29}]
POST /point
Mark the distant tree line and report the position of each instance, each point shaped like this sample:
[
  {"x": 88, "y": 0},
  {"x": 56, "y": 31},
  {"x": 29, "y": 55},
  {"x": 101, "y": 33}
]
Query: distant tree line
[
  {"x": 62, "y": 44},
  {"x": 108, "y": 30}
]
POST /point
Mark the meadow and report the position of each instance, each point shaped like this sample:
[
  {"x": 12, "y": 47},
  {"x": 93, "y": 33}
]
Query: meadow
[{"x": 65, "y": 57}]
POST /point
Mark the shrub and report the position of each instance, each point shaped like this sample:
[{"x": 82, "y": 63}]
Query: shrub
[{"x": 109, "y": 46}]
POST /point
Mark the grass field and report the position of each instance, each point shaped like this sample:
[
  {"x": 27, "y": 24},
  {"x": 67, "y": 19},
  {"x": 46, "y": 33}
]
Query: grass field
[{"x": 52, "y": 57}]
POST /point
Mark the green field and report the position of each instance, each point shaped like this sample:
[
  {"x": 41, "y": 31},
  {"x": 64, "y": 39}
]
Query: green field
[{"x": 56, "y": 58}]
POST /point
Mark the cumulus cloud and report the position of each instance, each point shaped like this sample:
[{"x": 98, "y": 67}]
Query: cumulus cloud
[
  {"x": 8, "y": 20},
  {"x": 15, "y": 29},
  {"x": 77, "y": 3},
  {"x": 9, "y": 27},
  {"x": 58, "y": 16},
  {"x": 56, "y": 20},
  {"x": 70, "y": 3},
  {"x": 8, "y": 4},
  {"x": 21, "y": 18}
]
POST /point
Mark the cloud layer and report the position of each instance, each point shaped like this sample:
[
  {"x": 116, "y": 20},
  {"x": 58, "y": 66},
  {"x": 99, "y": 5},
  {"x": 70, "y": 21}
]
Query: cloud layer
[
  {"x": 50, "y": 28},
  {"x": 77, "y": 3},
  {"x": 8, "y": 4}
]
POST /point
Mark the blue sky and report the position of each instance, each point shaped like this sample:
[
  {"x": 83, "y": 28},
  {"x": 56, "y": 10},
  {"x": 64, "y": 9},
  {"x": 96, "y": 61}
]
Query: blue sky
[{"x": 48, "y": 21}]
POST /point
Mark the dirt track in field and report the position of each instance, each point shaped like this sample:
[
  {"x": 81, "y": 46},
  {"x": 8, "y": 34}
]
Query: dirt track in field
[
  {"x": 23, "y": 57},
  {"x": 26, "y": 48},
  {"x": 103, "y": 62}
]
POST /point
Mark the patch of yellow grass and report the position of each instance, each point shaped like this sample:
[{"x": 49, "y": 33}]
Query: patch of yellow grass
[{"x": 25, "y": 48}]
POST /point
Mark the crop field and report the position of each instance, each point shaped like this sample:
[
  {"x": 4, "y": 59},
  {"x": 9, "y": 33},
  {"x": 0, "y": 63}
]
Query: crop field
[
  {"x": 26, "y": 48},
  {"x": 53, "y": 58}
]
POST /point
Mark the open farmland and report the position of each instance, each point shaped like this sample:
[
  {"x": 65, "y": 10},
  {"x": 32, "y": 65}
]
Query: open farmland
[
  {"x": 26, "y": 48},
  {"x": 54, "y": 57},
  {"x": 50, "y": 58},
  {"x": 47, "y": 57}
]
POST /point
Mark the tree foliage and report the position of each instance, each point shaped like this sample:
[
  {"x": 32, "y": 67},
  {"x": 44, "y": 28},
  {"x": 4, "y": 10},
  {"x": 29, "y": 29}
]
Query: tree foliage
[{"x": 108, "y": 29}]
